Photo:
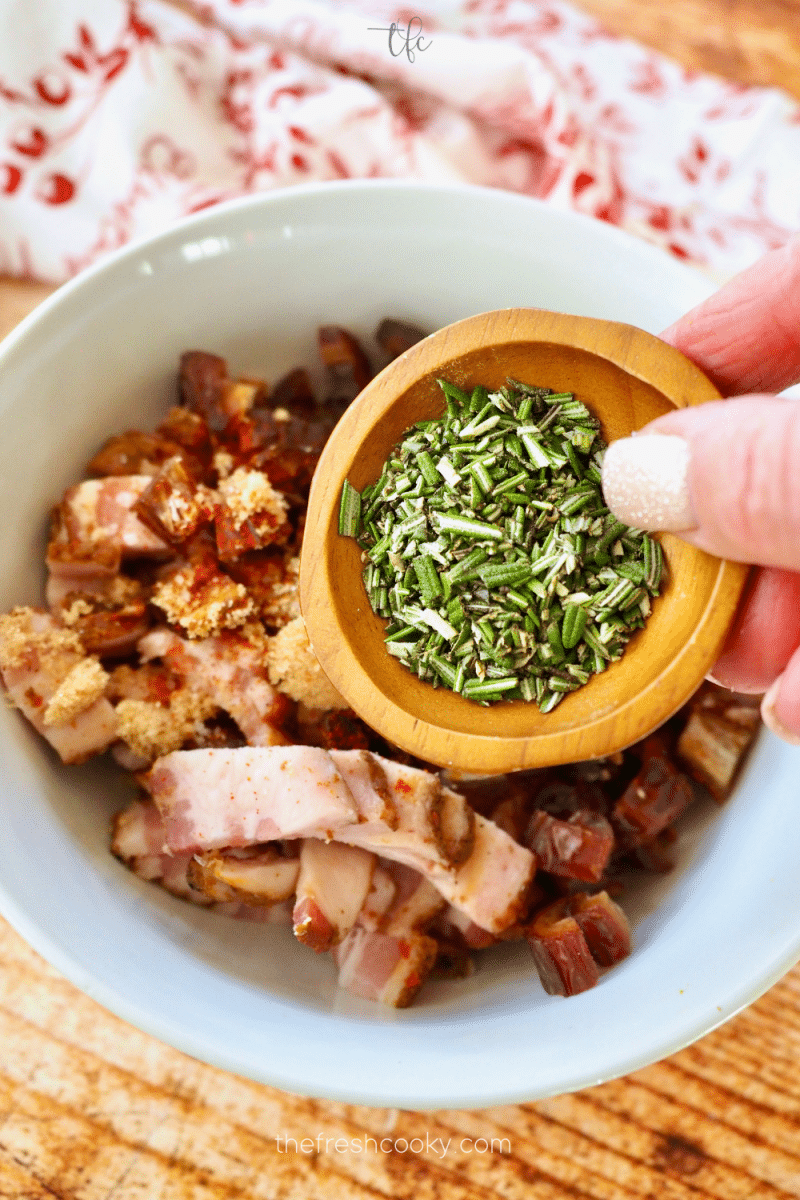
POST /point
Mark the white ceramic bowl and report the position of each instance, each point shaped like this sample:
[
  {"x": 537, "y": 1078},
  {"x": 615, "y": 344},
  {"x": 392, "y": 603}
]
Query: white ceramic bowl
[{"x": 252, "y": 280}]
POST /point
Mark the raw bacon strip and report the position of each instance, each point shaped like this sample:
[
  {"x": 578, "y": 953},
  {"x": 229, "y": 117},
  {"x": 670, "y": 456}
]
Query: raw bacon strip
[
  {"x": 228, "y": 669},
  {"x": 55, "y": 685},
  {"x": 653, "y": 799},
  {"x": 253, "y": 876},
  {"x": 457, "y": 825},
  {"x": 332, "y": 887},
  {"x": 364, "y": 775},
  {"x": 384, "y": 968},
  {"x": 210, "y": 799},
  {"x": 492, "y": 886},
  {"x": 578, "y": 848},
  {"x": 400, "y": 808},
  {"x": 604, "y": 925},
  {"x": 561, "y": 953}
]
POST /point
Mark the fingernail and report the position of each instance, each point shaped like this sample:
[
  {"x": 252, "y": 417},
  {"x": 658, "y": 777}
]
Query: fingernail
[
  {"x": 645, "y": 482},
  {"x": 770, "y": 717}
]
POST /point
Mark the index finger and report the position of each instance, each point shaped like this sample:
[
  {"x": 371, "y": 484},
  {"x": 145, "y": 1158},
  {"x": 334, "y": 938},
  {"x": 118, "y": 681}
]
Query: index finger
[{"x": 746, "y": 337}]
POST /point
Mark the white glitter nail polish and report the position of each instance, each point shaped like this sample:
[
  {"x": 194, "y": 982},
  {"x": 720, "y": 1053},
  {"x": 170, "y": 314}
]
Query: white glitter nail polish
[{"x": 645, "y": 482}]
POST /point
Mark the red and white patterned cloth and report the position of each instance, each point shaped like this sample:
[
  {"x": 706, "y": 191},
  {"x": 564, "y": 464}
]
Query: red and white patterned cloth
[{"x": 118, "y": 116}]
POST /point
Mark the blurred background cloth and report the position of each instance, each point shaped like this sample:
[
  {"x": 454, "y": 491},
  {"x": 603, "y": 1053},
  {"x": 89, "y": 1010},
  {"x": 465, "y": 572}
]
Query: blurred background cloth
[{"x": 119, "y": 116}]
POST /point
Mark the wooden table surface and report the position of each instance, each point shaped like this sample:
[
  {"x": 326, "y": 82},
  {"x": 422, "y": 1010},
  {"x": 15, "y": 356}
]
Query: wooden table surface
[{"x": 92, "y": 1109}]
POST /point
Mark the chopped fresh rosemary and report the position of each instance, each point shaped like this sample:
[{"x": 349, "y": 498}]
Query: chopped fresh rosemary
[{"x": 488, "y": 548}]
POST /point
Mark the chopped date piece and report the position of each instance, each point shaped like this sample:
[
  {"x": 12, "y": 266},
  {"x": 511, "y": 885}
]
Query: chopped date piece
[
  {"x": 289, "y": 469},
  {"x": 189, "y": 430},
  {"x": 560, "y": 951},
  {"x": 239, "y": 396},
  {"x": 271, "y": 578},
  {"x": 295, "y": 394},
  {"x": 604, "y": 926},
  {"x": 395, "y": 337},
  {"x": 201, "y": 382},
  {"x": 337, "y": 729},
  {"x": 172, "y": 505},
  {"x": 720, "y": 730},
  {"x": 347, "y": 366},
  {"x": 656, "y": 796},
  {"x": 250, "y": 514},
  {"x": 653, "y": 854},
  {"x": 133, "y": 453},
  {"x": 578, "y": 848}
]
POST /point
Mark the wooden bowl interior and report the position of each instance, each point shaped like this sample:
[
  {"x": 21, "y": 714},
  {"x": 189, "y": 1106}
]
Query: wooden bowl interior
[{"x": 663, "y": 664}]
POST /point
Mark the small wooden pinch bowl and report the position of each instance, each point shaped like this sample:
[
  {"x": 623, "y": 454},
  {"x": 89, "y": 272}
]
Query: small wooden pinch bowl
[{"x": 626, "y": 378}]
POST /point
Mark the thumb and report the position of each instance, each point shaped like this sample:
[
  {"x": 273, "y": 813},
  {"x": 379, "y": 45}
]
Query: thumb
[{"x": 724, "y": 475}]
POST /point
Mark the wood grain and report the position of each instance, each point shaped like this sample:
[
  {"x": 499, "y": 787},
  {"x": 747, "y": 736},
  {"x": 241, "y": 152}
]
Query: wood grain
[{"x": 749, "y": 41}]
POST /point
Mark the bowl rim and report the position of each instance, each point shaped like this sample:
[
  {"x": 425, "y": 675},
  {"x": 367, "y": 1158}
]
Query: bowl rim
[{"x": 190, "y": 1040}]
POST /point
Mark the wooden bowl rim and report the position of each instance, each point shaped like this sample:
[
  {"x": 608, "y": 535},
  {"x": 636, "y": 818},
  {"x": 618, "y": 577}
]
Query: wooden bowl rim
[{"x": 670, "y": 373}]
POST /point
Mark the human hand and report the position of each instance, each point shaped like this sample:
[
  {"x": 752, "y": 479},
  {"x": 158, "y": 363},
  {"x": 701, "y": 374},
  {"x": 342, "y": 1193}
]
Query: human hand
[{"x": 726, "y": 475}]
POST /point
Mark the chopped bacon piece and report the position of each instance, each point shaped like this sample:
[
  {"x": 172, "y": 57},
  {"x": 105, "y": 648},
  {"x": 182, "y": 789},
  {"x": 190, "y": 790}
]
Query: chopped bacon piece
[
  {"x": 453, "y": 959},
  {"x": 654, "y": 798},
  {"x": 55, "y": 685},
  {"x": 108, "y": 617},
  {"x": 230, "y": 670},
  {"x": 578, "y": 848},
  {"x": 133, "y": 453},
  {"x": 332, "y": 888},
  {"x": 395, "y": 337},
  {"x": 211, "y": 799},
  {"x": 137, "y": 839},
  {"x": 201, "y": 381},
  {"x": 384, "y": 968},
  {"x": 347, "y": 366},
  {"x": 560, "y": 951},
  {"x": 98, "y": 526},
  {"x": 604, "y": 925},
  {"x": 256, "y": 875},
  {"x": 716, "y": 738},
  {"x": 364, "y": 775},
  {"x": 172, "y": 505}
]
